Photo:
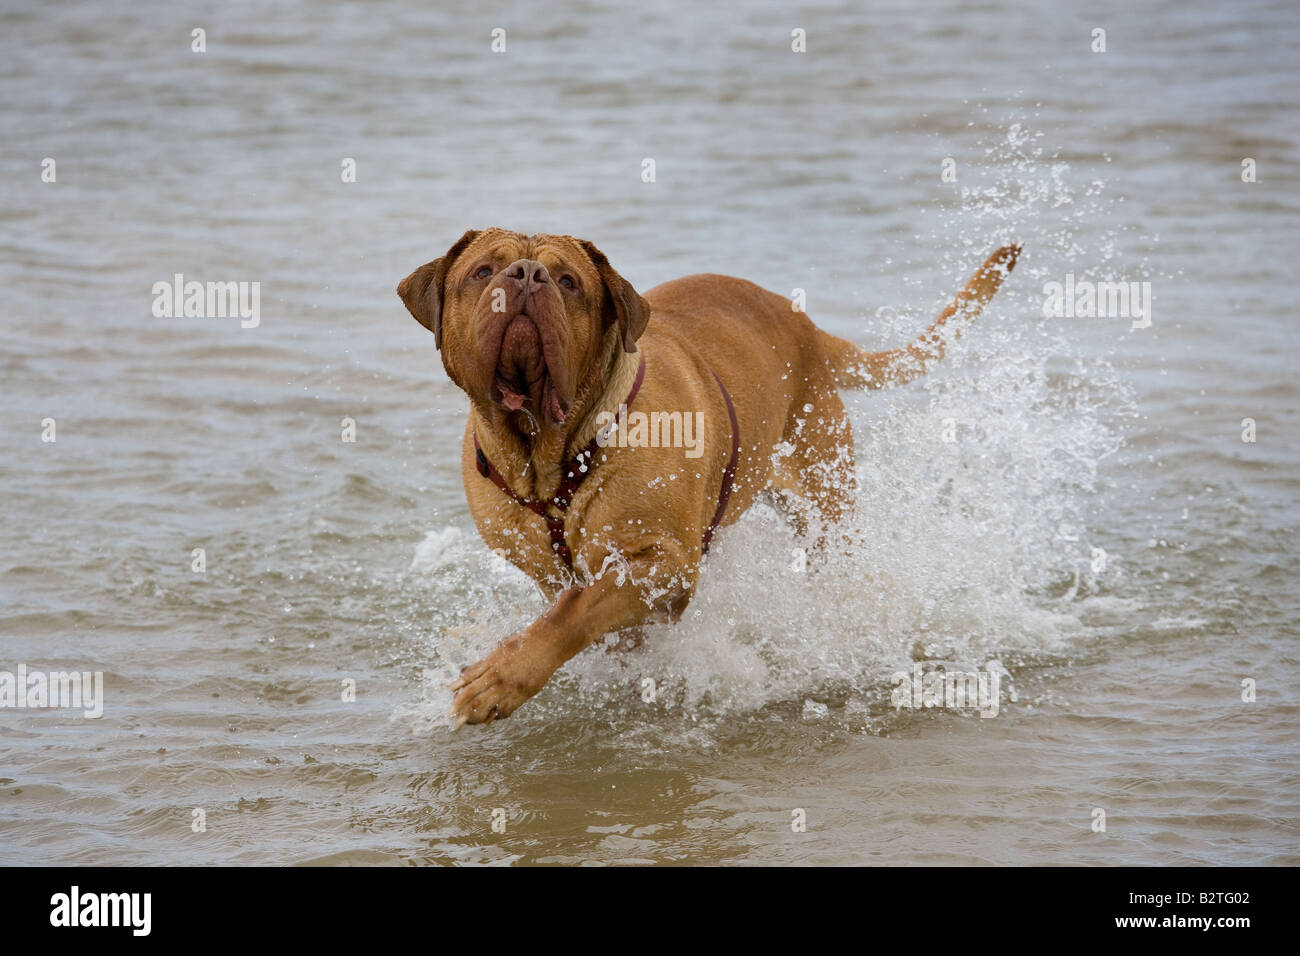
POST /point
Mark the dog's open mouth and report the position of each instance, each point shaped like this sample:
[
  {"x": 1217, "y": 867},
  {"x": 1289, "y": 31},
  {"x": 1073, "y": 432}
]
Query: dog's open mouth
[{"x": 522, "y": 375}]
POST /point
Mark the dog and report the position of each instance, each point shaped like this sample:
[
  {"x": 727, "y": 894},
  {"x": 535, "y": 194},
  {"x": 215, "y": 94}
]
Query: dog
[{"x": 558, "y": 352}]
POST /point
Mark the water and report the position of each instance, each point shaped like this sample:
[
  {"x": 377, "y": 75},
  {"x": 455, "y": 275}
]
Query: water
[{"x": 329, "y": 562}]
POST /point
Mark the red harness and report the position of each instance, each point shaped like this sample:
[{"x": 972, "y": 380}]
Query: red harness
[{"x": 579, "y": 466}]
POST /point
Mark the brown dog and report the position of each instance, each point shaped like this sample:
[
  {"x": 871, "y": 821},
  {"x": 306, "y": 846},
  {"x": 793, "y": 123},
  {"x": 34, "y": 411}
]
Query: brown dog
[{"x": 559, "y": 356}]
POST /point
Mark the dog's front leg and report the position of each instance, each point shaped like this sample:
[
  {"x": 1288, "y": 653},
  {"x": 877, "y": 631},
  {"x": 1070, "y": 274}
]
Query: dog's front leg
[{"x": 659, "y": 578}]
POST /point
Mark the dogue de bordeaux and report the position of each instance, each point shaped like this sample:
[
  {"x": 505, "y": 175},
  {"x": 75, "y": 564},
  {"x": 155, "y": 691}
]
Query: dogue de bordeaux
[{"x": 558, "y": 353}]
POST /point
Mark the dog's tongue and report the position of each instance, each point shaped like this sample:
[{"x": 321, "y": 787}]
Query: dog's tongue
[
  {"x": 514, "y": 401},
  {"x": 511, "y": 399}
]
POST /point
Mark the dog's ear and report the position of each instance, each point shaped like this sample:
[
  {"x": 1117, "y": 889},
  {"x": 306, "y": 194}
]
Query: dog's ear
[
  {"x": 421, "y": 291},
  {"x": 623, "y": 304}
]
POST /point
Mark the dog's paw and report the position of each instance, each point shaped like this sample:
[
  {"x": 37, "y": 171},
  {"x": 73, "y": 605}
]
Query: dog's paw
[{"x": 495, "y": 687}]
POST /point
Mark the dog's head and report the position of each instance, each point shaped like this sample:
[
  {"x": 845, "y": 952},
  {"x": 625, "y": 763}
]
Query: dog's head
[{"x": 524, "y": 322}]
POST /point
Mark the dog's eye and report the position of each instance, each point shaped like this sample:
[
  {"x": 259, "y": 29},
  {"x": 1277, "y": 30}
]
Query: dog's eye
[
  {"x": 483, "y": 272},
  {"x": 567, "y": 282}
]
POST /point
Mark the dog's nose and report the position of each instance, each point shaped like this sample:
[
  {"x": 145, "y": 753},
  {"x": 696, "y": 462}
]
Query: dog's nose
[{"x": 530, "y": 272}]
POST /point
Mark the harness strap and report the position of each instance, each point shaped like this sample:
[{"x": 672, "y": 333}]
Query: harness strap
[{"x": 729, "y": 475}]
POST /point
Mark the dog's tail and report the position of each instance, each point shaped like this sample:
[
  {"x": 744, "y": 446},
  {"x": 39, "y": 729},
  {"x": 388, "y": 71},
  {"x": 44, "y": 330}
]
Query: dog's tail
[{"x": 855, "y": 367}]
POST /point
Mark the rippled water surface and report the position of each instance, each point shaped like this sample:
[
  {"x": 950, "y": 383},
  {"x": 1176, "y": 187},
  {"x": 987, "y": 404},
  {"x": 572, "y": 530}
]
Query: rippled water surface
[{"x": 1097, "y": 525}]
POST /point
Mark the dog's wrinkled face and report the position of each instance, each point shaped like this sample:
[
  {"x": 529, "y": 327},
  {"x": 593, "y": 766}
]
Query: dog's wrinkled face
[{"x": 523, "y": 321}]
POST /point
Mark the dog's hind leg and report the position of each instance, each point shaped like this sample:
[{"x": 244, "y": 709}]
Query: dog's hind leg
[{"x": 813, "y": 479}]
